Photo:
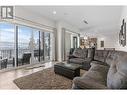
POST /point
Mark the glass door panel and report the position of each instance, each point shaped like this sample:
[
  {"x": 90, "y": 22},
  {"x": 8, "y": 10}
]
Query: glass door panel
[
  {"x": 41, "y": 46},
  {"x": 7, "y": 50},
  {"x": 25, "y": 45},
  {"x": 36, "y": 41},
  {"x": 47, "y": 46}
]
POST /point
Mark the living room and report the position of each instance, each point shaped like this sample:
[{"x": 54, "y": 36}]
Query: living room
[{"x": 44, "y": 40}]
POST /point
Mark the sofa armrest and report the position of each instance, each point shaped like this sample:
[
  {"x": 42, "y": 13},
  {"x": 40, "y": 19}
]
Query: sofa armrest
[{"x": 80, "y": 83}]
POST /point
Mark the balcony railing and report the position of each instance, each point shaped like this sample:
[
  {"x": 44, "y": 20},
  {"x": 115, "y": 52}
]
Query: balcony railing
[
  {"x": 4, "y": 53},
  {"x": 10, "y": 53}
]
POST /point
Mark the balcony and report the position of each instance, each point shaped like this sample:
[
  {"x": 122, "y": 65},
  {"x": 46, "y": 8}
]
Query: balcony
[{"x": 7, "y": 57}]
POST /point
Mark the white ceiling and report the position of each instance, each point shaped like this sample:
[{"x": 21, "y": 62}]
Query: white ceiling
[{"x": 74, "y": 15}]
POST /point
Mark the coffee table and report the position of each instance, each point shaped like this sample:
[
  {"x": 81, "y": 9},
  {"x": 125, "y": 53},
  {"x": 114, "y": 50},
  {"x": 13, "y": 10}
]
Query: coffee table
[{"x": 68, "y": 70}]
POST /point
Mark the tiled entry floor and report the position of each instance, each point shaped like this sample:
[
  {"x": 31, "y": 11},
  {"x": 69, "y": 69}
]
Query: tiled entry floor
[{"x": 6, "y": 78}]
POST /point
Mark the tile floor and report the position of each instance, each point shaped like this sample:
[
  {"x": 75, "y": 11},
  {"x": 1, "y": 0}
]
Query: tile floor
[{"x": 6, "y": 78}]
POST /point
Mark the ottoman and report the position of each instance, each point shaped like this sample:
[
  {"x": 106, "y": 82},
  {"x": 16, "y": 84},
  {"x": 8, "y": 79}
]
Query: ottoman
[{"x": 68, "y": 70}]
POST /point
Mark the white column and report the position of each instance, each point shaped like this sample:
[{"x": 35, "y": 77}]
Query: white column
[
  {"x": 59, "y": 41},
  {"x": 54, "y": 44},
  {"x": 51, "y": 47}
]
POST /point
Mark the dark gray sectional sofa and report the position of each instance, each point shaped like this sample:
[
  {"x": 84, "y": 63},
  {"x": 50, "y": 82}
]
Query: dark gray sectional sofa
[{"x": 108, "y": 71}]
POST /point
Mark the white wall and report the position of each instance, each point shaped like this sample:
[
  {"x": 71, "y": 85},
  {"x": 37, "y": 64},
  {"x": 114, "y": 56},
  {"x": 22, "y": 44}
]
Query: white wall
[
  {"x": 110, "y": 35},
  {"x": 106, "y": 34},
  {"x": 28, "y": 15},
  {"x": 110, "y": 41}
]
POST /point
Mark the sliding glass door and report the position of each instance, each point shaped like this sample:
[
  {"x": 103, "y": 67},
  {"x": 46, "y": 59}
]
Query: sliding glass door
[
  {"x": 22, "y": 45},
  {"x": 7, "y": 50}
]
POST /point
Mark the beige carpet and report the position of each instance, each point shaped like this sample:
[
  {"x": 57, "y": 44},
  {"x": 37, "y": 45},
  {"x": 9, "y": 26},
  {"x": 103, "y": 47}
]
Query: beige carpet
[{"x": 45, "y": 79}]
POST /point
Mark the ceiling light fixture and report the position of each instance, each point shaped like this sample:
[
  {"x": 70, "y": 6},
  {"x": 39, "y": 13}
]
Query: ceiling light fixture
[
  {"x": 54, "y": 12},
  {"x": 85, "y": 37},
  {"x": 85, "y": 21}
]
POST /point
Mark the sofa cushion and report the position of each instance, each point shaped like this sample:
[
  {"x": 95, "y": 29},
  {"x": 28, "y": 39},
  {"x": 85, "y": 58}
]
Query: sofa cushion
[
  {"x": 80, "y": 53},
  {"x": 85, "y": 52},
  {"x": 112, "y": 55},
  {"x": 99, "y": 62},
  {"x": 86, "y": 64},
  {"x": 100, "y": 55},
  {"x": 117, "y": 74},
  {"x": 95, "y": 78},
  {"x": 87, "y": 83},
  {"x": 98, "y": 73},
  {"x": 77, "y": 60},
  {"x": 113, "y": 75}
]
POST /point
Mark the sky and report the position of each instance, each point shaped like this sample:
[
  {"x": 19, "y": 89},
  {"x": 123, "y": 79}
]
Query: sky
[{"x": 24, "y": 34}]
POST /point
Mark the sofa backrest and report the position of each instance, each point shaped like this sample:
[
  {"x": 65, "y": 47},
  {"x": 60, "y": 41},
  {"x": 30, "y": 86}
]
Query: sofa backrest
[
  {"x": 91, "y": 52},
  {"x": 117, "y": 74},
  {"x": 101, "y": 55},
  {"x": 112, "y": 55},
  {"x": 80, "y": 53}
]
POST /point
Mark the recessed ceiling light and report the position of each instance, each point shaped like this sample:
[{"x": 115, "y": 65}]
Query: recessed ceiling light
[{"x": 54, "y": 12}]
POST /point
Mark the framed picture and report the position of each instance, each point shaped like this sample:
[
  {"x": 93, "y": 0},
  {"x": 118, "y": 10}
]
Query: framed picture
[
  {"x": 122, "y": 34},
  {"x": 102, "y": 43}
]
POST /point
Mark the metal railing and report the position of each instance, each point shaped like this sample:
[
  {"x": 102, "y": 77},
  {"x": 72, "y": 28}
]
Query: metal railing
[
  {"x": 7, "y": 53},
  {"x": 10, "y": 53}
]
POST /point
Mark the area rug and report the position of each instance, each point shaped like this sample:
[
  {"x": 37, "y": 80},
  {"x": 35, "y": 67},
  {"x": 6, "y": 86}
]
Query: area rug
[{"x": 45, "y": 79}]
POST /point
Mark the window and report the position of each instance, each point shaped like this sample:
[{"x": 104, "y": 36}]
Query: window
[
  {"x": 22, "y": 45},
  {"x": 25, "y": 45}
]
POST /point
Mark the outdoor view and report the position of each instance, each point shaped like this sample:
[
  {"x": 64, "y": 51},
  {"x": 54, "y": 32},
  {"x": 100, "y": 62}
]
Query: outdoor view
[
  {"x": 7, "y": 46},
  {"x": 21, "y": 45}
]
